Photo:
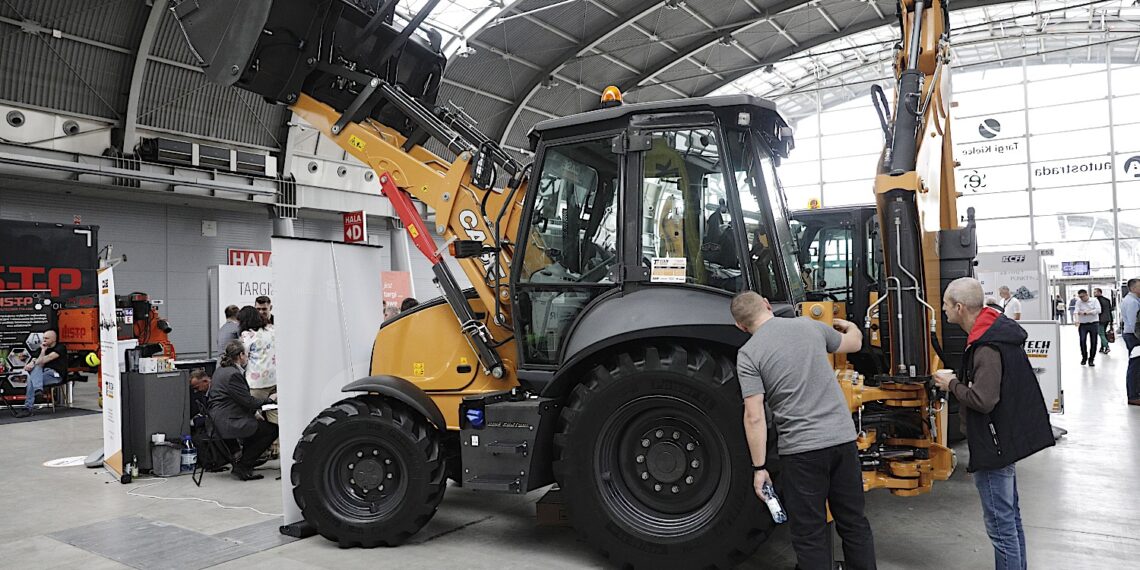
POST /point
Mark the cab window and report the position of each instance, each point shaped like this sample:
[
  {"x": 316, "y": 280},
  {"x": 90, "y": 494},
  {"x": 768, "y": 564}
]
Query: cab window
[{"x": 685, "y": 214}]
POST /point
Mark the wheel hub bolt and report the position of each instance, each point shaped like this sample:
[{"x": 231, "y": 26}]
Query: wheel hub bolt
[
  {"x": 690, "y": 446},
  {"x": 366, "y": 491},
  {"x": 351, "y": 466},
  {"x": 660, "y": 434},
  {"x": 381, "y": 488},
  {"x": 360, "y": 454},
  {"x": 689, "y": 480},
  {"x": 387, "y": 462},
  {"x": 676, "y": 489},
  {"x": 353, "y": 481},
  {"x": 696, "y": 464},
  {"x": 645, "y": 443},
  {"x": 375, "y": 452},
  {"x": 657, "y": 487},
  {"x": 676, "y": 435},
  {"x": 644, "y": 476},
  {"x": 641, "y": 459},
  {"x": 390, "y": 476}
]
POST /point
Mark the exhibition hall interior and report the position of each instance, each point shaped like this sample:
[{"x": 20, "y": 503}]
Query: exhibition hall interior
[{"x": 649, "y": 284}]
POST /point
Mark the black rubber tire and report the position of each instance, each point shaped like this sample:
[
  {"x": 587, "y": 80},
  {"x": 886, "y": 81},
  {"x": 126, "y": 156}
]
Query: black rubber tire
[
  {"x": 397, "y": 447},
  {"x": 688, "y": 391}
]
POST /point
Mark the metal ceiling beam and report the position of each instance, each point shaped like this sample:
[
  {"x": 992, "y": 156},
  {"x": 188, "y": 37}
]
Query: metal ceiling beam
[
  {"x": 711, "y": 39},
  {"x": 134, "y": 89},
  {"x": 585, "y": 46},
  {"x": 822, "y": 39}
]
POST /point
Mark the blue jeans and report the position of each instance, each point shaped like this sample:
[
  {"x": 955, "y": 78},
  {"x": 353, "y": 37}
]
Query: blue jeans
[
  {"x": 1132, "y": 377},
  {"x": 37, "y": 379},
  {"x": 998, "y": 490}
]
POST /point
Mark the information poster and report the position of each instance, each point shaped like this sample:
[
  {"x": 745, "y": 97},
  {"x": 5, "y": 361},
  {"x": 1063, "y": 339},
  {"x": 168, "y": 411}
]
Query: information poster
[
  {"x": 237, "y": 285},
  {"x": 24, "y": 316},
  {"x": 1024, "y": 273},
  {"x": 1043, "y": 347},
  {"x": 109, "y": 373},
  {"x": 397, "y": 286}
]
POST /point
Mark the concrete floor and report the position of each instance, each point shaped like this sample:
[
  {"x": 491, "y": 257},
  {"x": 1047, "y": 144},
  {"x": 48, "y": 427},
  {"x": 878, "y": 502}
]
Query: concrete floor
[{"x": 1079, "y": 503}]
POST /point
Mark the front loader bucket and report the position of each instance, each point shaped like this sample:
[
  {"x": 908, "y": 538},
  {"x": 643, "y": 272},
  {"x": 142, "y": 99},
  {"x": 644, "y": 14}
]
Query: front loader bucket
[{"x": 323, "y": 48}]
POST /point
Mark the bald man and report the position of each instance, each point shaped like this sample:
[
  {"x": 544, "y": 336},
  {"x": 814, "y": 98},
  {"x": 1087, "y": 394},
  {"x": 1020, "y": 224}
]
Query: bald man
[
  {"x": 785, "y": 363},
  {"x": 1003, "y": 409},
  {"x": 47, "y": 369}
]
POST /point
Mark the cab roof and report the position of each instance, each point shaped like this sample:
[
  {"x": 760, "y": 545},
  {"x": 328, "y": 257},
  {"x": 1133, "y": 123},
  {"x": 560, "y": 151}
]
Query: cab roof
[{"x": 673, "y": 105}]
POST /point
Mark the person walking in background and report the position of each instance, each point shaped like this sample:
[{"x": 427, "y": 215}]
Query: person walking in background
[
  {"x": 229, "y": 330},
  {"x": 1004, "y": 412},
  {"x": 1087, "y": 312},
  {"x": 1072, "y": 310},
  {"x": 1059, "y": 309},
  {"x": 785, "y": 364},
  {"x": 1010, "y": 305},
  {"x": 1129, "y": 307},
  {"x": 1105, "y": 319}
]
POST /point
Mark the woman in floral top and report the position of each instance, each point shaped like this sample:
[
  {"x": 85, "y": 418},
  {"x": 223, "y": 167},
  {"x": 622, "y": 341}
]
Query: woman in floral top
[{"x": 261, "y": 372}]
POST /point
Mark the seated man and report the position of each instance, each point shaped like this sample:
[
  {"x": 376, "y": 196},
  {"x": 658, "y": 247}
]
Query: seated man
[
  {"x": 47, "y": 369},
  {"x": 199, "y": 387}
]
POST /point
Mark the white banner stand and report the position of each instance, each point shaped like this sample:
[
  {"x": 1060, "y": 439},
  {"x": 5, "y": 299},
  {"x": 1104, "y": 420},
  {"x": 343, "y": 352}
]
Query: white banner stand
[
  {"x": 109, "y": 355},
  {"x": 327, "y": 310},
  {"x": 1043, "y": 347}
]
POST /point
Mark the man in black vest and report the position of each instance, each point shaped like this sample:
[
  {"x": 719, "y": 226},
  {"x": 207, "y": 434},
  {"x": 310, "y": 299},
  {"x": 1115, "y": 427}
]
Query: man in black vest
[{"x": 1004, "y": 412}]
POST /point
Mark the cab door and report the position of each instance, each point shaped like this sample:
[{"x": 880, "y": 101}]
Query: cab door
[{"x": 570, "y": 243}]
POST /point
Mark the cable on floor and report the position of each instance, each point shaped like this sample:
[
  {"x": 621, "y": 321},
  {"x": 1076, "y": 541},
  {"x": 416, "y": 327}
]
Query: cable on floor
[{"x": 133, "y": 492}]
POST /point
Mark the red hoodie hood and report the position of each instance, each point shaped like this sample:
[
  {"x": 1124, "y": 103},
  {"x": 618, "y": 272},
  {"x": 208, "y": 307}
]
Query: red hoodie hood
[{"x": 985, "y": 320}]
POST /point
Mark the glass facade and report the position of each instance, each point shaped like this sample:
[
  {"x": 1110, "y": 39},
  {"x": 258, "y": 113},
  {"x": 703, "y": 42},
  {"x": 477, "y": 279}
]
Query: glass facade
[{"x": 1050, "y": 159}]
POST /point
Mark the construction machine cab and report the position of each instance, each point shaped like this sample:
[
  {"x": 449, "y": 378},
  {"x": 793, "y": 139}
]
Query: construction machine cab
[{"x": 636, "y": 197}]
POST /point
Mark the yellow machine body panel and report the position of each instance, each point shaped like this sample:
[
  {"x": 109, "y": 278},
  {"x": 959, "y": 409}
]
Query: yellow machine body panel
[{"x": 428, "y": 349}]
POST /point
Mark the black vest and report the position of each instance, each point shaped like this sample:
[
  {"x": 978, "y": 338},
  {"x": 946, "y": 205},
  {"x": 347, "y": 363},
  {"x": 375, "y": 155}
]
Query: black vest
[{"x": 1018, "y": 426}]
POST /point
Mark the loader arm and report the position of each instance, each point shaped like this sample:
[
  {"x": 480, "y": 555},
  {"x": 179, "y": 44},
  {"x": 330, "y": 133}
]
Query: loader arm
[
  {"x": 370, "y": 86},
  {"x": 462, "y": 210}
]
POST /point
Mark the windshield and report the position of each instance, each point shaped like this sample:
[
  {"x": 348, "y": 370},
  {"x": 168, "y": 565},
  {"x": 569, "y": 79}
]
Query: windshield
[{"x": 771, "y": 247}]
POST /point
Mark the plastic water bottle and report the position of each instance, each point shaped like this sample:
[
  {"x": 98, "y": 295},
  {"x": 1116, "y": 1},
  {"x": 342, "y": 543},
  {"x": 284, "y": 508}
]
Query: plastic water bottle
[
  {"x": 774, "y": 505},
  {"x": 189, "y": 455}
]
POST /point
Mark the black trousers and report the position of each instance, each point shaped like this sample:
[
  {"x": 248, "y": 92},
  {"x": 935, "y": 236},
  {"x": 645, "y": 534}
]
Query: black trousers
[
  {"x": 814, "y": 480},
  {"x": 253, "y": 446},
  {"x": 1092, "y": 331}
]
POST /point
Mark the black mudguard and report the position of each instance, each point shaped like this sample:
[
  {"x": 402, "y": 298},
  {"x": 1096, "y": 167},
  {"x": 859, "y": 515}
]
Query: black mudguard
[{"x": 403, "y": 391}]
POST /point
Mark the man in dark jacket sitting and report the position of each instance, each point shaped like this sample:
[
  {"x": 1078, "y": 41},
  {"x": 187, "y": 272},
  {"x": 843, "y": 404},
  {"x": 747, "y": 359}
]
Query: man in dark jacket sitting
[
  {"x": 1004, "y": 412},
  {"x": 233, "y": 410}
]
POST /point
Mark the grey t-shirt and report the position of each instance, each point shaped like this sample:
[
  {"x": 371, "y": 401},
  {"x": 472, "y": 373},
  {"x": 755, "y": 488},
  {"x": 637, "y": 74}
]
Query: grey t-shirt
[
  {"x": 229, "y": 331},
  {"x": 786, "y": 360}
]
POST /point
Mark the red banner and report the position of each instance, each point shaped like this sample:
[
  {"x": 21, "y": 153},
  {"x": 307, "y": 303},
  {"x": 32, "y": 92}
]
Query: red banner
[{"x": 258, "y": 257}]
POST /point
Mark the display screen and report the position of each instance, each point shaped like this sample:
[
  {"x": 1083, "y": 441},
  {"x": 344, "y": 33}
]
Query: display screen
[{"x": 1074, "y": 268}]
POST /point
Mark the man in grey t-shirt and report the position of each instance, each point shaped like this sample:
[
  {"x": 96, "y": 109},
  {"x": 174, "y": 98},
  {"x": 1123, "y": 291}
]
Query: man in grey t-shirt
[
  {"x": 228, "y": 331},
  {"x": 785, "y": 363}
]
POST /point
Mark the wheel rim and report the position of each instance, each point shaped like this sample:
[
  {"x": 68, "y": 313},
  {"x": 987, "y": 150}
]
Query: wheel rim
[
  {"x": 365, "y": 479},
  {"x": 662, "y": 466}
]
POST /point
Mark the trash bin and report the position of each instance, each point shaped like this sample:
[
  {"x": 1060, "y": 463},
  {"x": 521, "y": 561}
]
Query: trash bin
[{"x": 165, "y": 459}]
